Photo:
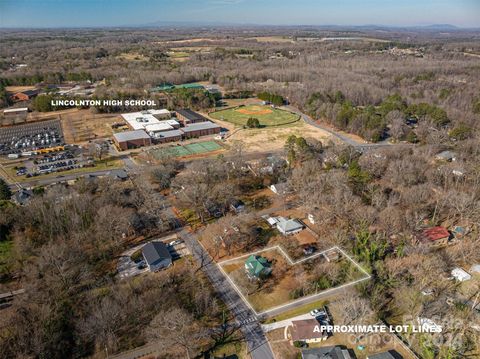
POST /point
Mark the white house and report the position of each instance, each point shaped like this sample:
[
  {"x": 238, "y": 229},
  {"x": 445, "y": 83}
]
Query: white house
[
  {"x": 289, "y": 226},
  {"x": 460, "y": 275}
]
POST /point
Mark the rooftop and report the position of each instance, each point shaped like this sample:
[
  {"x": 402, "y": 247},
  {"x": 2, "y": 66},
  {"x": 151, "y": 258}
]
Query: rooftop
[
  {"x": 385, "y": 355},
  {"x": 191, "y": 115},
  {"x": 131, "y": 135},
  {"x": 288, "y": 225},
  {"x": 13, "y": 110},
  {"x": 200, "y": 126},
  {"x": 139, "y": 120},
  {"x": 306, "y": 329},
  {"x": 168, "y": 134},
  {"x": 436, "y": 233},
  {"x": 326, "y": 353},
  {"x": 155, "y": 251}
]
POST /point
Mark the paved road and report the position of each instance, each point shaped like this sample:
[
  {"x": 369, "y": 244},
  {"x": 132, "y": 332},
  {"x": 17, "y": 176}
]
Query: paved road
[
  {"x": 358, "y": 144},
  {"x": 258, "y": 345}
]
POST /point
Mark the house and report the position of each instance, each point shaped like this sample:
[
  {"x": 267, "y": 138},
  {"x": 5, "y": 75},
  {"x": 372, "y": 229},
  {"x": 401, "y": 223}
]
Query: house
[
  {"x": 311, "y": 218},
  {"x": 131, "y": 139},
  {"x": 436, "y": 235},
  {"x": 289, "y": 226},
  {"x": 157, "y": 256},
  {"x": 447, "y": 156},
  {"x": 188, "y": 117},
  {"x": 257, "y": 267},
  {"x": 460, "y": 275},
  {"x": 22, "y": 196},
  {"x": 391, "y": 354},
  {"x": 24, "y": 95},
  {"x": 307, "y": 330},
  {"x": 237, "y": 206},
  {"x": 279, "y": 188},
  {"x": 119, "y": 175},
  {"x": 327, "y": 353}
]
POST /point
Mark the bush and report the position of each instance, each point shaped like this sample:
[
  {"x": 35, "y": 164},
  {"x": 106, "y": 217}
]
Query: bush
[{"x": 253, "y": 122}]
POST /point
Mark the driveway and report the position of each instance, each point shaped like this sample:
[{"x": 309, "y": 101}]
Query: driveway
[{"x": 284, "y": 323}]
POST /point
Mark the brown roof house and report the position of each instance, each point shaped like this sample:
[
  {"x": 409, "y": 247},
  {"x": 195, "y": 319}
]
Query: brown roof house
[
  {"x": 438, "y": 236},
  {"x": 307, "y": 330}
]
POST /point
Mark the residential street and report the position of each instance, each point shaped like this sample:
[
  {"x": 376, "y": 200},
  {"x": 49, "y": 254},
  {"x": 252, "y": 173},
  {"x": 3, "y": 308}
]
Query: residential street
[{"x": 258, "y": 345}]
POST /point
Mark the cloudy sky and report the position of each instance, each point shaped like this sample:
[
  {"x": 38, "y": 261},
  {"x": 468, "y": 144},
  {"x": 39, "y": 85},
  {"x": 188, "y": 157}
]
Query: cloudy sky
[{"x": 77, "y": 13}]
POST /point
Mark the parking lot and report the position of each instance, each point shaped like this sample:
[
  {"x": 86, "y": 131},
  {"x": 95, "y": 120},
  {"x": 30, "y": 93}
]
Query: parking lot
[
  {"x": 130, "y": 267},
  {"x": 30, "y": 137}
]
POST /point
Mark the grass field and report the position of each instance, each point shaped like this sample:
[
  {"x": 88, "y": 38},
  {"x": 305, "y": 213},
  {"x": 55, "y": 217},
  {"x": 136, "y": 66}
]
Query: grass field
[
  {"x": 187, "y": 150},
  {"x": 266, "y": 115}
]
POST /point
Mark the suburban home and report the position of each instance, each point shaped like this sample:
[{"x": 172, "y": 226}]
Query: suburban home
[
  {"x": 460, "y": 275},
  {"x": 391, "y": 354},
  {"x": 437, "y": 235},
  {"x": 119, "y": 175},
  {"x": 22, "y": 196},
  {"x": 327, "y": 353},
  {"x": 257, "y": 267},
  {"x": 289, "y": 226},
  {"x": 237, "y": 206},
  {"x": 157, "y": 256},
  {"x": 307, "y": 330},
  {"x": 447, "y": 156},
  {"x": 279, "y": 188}
]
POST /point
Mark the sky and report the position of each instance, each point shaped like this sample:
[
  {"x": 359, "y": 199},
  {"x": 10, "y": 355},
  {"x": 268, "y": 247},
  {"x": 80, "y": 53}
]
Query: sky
[{"x": 99, "y": 13}]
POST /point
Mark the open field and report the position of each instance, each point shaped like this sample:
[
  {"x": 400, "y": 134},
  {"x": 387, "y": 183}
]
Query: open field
[
  {"x": 191, "y": 149},
  {"x": 133, "y": 56},
  {"x": 272, "y": 138},
  {"x": 15, "y": 89},
  {"x": 266, "y": 115},
  {"x": 82, "y": 125},
  {"x": 290, "y": 281}
]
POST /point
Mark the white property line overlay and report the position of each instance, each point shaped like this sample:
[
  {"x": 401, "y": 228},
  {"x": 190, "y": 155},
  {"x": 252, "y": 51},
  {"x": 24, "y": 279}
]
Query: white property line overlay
[{"x": 303, "y": 299}]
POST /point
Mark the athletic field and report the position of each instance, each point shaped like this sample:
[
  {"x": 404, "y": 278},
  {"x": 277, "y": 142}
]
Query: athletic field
[
  {"x": 266, "y": 115},
  {"x": 186, "y": 150}
]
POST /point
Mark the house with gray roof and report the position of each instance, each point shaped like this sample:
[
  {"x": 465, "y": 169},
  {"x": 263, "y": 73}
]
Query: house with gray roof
[
  {"x": 288, "y": 226},
  {"x": 157, "y": 256},
  {"x": 391, "y": 354},
  {"x": 327, "y": 353}
]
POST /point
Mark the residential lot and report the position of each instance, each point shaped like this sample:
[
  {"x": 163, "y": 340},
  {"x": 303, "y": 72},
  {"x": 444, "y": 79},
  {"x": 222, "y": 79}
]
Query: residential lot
[
  {"x": 266, "y": 115},
  {"x": 131, "y": 263},
  {"x": 288, "y": 280}
]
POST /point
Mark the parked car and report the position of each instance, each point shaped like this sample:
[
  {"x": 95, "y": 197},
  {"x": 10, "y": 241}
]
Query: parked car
[{"x": 317, "y": 313}]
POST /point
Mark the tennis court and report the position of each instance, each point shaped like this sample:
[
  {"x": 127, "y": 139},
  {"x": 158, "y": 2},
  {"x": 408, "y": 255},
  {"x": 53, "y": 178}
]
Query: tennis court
[{"x": 186, "y": 150}]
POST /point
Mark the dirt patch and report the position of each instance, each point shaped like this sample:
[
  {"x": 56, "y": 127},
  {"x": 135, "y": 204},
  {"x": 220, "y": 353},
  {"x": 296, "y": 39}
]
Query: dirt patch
[{"x": 252, "y": 111}]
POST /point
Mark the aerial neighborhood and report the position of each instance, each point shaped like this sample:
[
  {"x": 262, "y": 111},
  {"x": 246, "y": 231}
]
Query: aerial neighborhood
[{"x": 249, "y": 192}]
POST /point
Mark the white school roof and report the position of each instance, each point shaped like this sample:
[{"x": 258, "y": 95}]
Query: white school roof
[
  {"x": 139, "y": 120},
  {"x": 158, "y": 127}
]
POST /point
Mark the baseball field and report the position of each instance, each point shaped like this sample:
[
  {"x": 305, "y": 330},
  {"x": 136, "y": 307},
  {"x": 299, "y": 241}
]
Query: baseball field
[{"x": 266, "y": 115}]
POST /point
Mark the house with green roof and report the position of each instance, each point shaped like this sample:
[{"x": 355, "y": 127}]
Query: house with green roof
[{"x": 257, "y": 267}]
